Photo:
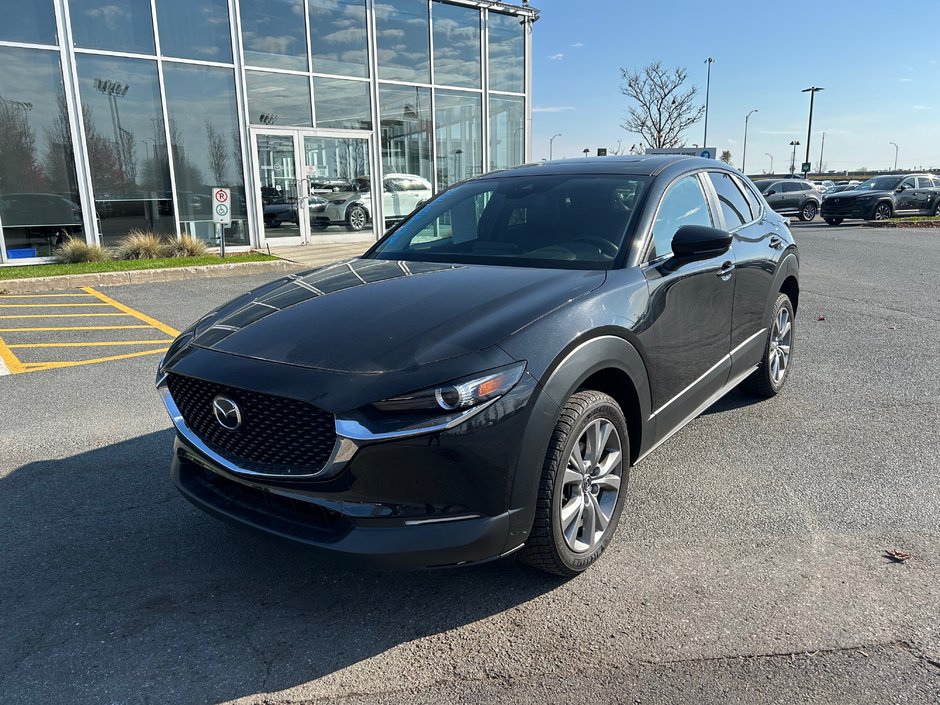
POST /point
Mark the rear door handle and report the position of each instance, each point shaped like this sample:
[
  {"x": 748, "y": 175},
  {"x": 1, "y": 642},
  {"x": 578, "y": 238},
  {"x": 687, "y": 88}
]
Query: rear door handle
[
  {"x": 726, "y": 270},
  {"x": 775, "y": 242}
]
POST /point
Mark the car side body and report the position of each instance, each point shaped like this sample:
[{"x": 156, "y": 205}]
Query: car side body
[
  {"x": 791, "y": 197},
  {"x": 663, "y": 330}
]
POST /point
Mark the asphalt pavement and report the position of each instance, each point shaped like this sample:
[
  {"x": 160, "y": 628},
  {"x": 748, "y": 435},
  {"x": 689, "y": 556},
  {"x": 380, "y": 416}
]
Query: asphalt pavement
[{"x": 749, "y": 566}]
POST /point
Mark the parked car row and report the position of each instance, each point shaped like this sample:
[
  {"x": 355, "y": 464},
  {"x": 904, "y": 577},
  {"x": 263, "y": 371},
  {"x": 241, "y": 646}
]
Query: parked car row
[{"x": 879, "y": 198}]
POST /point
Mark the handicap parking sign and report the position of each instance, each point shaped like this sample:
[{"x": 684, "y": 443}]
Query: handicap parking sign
[{"x": 706, "y": 153}]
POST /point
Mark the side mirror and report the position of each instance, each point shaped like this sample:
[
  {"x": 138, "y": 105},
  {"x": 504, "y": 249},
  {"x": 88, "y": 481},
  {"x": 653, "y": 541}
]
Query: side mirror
[
  {"x": 771, "y": 192},
  {"x": 693, "y": 242},
  {"x": 901, "y": 188}
]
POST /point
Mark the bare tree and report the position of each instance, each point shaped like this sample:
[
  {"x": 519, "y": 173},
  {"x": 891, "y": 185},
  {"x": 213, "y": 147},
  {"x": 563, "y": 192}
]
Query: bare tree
[
  {"x": 218, "y": 154},
  {"x": 663, "y": 110},
  {"x": 726, "y": 156}
]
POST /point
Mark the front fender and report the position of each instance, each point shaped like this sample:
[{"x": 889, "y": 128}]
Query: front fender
[{"x": 571, "y": 368}]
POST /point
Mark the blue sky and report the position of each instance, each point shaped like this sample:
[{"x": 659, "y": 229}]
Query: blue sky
[{"x": 877, "y": 62}]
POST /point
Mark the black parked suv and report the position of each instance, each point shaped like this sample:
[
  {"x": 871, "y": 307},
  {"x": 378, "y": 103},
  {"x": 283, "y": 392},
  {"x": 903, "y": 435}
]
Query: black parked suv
[
  {"x": 791, "y": 197},
  {"x": 882, "y": 197},
  {"x": 480, "y": 382}
]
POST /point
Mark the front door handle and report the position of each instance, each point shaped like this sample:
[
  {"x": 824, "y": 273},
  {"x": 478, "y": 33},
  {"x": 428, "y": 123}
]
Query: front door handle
[
  {"x": 726, "y": 270},
  {"x": 775, "y": 242}
]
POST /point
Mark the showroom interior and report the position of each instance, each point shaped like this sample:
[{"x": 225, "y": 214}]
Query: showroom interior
[{"x": 123, "y": 115}]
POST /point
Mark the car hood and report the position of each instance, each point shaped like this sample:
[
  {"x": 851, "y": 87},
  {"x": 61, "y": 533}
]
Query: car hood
[
  {"x": 374, "y": 316},
  {"x": 851, "y": 193}
]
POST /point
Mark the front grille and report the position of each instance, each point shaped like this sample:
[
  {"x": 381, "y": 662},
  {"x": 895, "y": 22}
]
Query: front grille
[{"x": 277, "y": 436}]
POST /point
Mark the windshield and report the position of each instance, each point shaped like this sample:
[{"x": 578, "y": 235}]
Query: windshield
[
  {"x": 562, "y": 221},
  {"x": 880, "y": 183}
]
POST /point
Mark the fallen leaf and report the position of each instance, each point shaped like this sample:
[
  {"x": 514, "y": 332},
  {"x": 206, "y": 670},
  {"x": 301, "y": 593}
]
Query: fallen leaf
[
  {"x": 821, "y": 318},
  {"x": 896, "y": 556}
]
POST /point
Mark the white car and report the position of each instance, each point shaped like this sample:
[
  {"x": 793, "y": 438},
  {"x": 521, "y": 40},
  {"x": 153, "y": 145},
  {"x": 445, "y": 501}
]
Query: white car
[{"x": 401, "y": 194}]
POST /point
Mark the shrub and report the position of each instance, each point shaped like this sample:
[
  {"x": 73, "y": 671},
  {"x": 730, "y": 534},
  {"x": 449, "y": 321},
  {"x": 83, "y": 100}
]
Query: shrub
[
  {"x": 75, "y": 249},
  {"x": 142, "y": 244},
  {"x": 189, "y": 246}
]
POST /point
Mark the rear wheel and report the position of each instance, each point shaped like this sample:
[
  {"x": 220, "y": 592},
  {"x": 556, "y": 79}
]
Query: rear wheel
[
  {"x": 774, "y": 369},
  {"x": 834, "y": 221},
  {"x": 584, "y": 476},
  {"x": 882, "y": 211},
  {"x": 936, "y": 208},
  {"x": 808, "y": 212}
]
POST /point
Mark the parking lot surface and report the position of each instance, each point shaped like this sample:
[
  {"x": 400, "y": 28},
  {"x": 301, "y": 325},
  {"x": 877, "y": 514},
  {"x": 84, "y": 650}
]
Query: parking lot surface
[{"x": 749, "y": 565}]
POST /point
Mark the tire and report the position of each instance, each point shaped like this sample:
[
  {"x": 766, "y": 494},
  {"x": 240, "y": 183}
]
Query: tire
[
  {"x": 936, "y": 209},
  {"x": 356, "y": 217},
  {"x": 834, "y": 221},
  {"x": 882, "y": 211},
  {"x": 566, "y": 489},
  {"x": 808, "y": 211},
  {"x": 768, "y": 379}
]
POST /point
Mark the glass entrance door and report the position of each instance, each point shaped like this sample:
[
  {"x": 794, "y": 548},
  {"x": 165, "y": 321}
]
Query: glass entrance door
[{"x": 312, "y": 184}]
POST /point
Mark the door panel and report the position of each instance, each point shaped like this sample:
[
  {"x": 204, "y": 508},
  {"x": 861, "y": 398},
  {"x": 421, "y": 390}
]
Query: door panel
[{"x": 755, "y": 261}]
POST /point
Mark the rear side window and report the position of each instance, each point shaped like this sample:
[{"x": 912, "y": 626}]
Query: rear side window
[
  {"x": 733, "y": 204},
  {"x": 791, "y": 187},
  {"x": 925, "y": 182},
  {"x": 753, "y": 200},
  {"x": 683, "y": 204}
]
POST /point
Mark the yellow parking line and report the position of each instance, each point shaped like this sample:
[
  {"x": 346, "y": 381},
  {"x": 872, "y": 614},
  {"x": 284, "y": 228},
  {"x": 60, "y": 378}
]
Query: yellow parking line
[
  {"x": 37, "y": 296},
  {"x": 8, "y": 360},
  {"x": 86, "y": 345},
  {"x": 64, "y": 315},
  {"x": 38, "y": 366},
  {"x": 26, "y": 330},
  {"x": 47, "y": 305},
  {"x": 136, "y": 314}
]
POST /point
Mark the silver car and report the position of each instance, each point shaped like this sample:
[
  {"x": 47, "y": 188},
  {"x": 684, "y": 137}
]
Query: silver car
[{"x": 401, "y": 194}]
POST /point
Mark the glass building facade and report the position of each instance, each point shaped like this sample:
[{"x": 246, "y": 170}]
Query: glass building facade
[{"x": 121, "y": 115}]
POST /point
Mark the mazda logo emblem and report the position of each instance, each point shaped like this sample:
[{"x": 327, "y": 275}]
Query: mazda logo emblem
[{"x": 226, "y": 413}]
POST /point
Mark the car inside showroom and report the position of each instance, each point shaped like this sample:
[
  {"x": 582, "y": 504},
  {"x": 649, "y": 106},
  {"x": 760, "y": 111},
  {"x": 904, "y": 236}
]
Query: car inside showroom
[{"x": 123, "y": 117}]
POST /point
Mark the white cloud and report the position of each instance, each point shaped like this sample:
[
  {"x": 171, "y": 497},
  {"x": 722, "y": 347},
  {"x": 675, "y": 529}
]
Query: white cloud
[
  {"x": 556, "y": 57},
  {"x": 553, "y": 109},
  {"x": 732, "y": 141},
  {"x": 578, "y": 45},
  {"x": 905, "y": 80},
  {"x": 920, "y": 107}
]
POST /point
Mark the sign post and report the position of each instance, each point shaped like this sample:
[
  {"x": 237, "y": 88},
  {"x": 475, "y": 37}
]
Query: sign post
[{"x": 221, "y": 214}]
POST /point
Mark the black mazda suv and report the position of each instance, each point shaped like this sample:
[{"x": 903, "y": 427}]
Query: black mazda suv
[
  {"x": 883, "y": 197},
  {"x": 479, "y": 383}
]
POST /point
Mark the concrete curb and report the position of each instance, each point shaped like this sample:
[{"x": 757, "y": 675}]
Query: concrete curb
[{"x": 146, "y": 276}]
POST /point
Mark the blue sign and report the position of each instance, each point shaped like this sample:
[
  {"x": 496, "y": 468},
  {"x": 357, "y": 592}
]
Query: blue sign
[{"x": 706, "y": 153}]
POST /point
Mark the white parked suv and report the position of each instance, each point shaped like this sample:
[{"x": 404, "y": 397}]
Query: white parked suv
[{"x": 401, "y": 194}]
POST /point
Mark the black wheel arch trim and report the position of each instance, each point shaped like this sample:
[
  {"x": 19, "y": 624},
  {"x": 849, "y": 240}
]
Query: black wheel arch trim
[
  {"x": 789, "y": 268},
  {"x": 577, "y": 363}
]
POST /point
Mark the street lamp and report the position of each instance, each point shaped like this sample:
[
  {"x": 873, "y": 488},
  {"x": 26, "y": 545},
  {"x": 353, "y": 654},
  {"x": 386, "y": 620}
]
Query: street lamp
[
  {"x": 771, "y": 161},
  {"x": 744, "y": 151},
  {"x": 551, "y": 144},
  {"x": 895, "y": 155},
  {"x": 708, "y": 84},
  {"x": 585, "y": 151},
  {"x": 812, "y": 90},
  {"x": 115, "y": 90},
  {"x": 794, "y": 144}
]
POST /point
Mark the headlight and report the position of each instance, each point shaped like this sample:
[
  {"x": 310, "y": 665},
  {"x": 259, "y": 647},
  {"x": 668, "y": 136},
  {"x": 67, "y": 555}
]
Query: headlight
[
  {"x": 462, "y": 394},
  {"x": 338, "y": 201}
]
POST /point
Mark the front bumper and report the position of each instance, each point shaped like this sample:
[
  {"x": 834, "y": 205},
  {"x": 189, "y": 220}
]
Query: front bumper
[
  {"x": 846, "y": 209},
  {"x": 412, "y": 502}
]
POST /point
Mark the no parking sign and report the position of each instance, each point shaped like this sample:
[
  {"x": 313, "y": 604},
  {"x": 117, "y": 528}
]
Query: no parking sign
[{"x": 221, "y": 206}]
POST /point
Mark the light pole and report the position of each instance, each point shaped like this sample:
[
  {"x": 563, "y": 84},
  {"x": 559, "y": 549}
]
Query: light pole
[
  {"x": 708, "y": 85},
  {"x": 585, "y": 152},
  {"x": 115, "y": 90},
  {"x": 771, "y": 161},
  {"x": 812, "y": 90},
  {"x": 744, "y": 151},
  {"x": 551, "y": 145},
  {"x": 895, "y": 155},
  {"x": 822, "y": 146},
  {"x": 794, "y": 144}
]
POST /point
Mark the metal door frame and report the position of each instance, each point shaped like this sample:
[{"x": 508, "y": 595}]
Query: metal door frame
[{"x": 298, "y": 134}]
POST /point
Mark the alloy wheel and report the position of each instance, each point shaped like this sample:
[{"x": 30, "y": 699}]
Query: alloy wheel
[
  {"x": 882, "y": 211},
  {"x": 780, "y": 339},
  {"x": 936, "y": 210},
  {"x": 809, "y": 211},
  {"x": 357, "y": 218},
  {"x": 591, "y": 485}
]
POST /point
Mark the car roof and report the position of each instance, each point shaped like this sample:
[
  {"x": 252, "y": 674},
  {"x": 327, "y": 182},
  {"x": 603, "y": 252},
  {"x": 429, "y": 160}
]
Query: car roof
[{"x": 642, "y": 165}]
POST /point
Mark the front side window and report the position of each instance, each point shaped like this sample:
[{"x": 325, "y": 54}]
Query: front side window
[
  {"x": 559, "y": 221},
  {"x": 734, "y": 206},
  {"x": 908, "y": 182},
  {"x": 683, "y": 204}
]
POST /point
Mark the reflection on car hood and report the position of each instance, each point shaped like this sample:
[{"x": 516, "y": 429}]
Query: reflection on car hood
[
  {"x": 345, "y": 195},
  {"x": 374, "y": 316}
]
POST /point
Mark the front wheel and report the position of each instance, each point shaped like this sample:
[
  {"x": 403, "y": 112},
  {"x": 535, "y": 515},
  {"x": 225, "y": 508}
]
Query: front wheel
[
  {"x": 356, "y": 217},
  {"x": 834, "y": 221},
  {"x": 584, "y": 476},
  {"x": 882, "y": 211},
  {"x": 936, "y": 209},
  {"x": 808, "y": 211},
  {"x": 774, "y": 369}
]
